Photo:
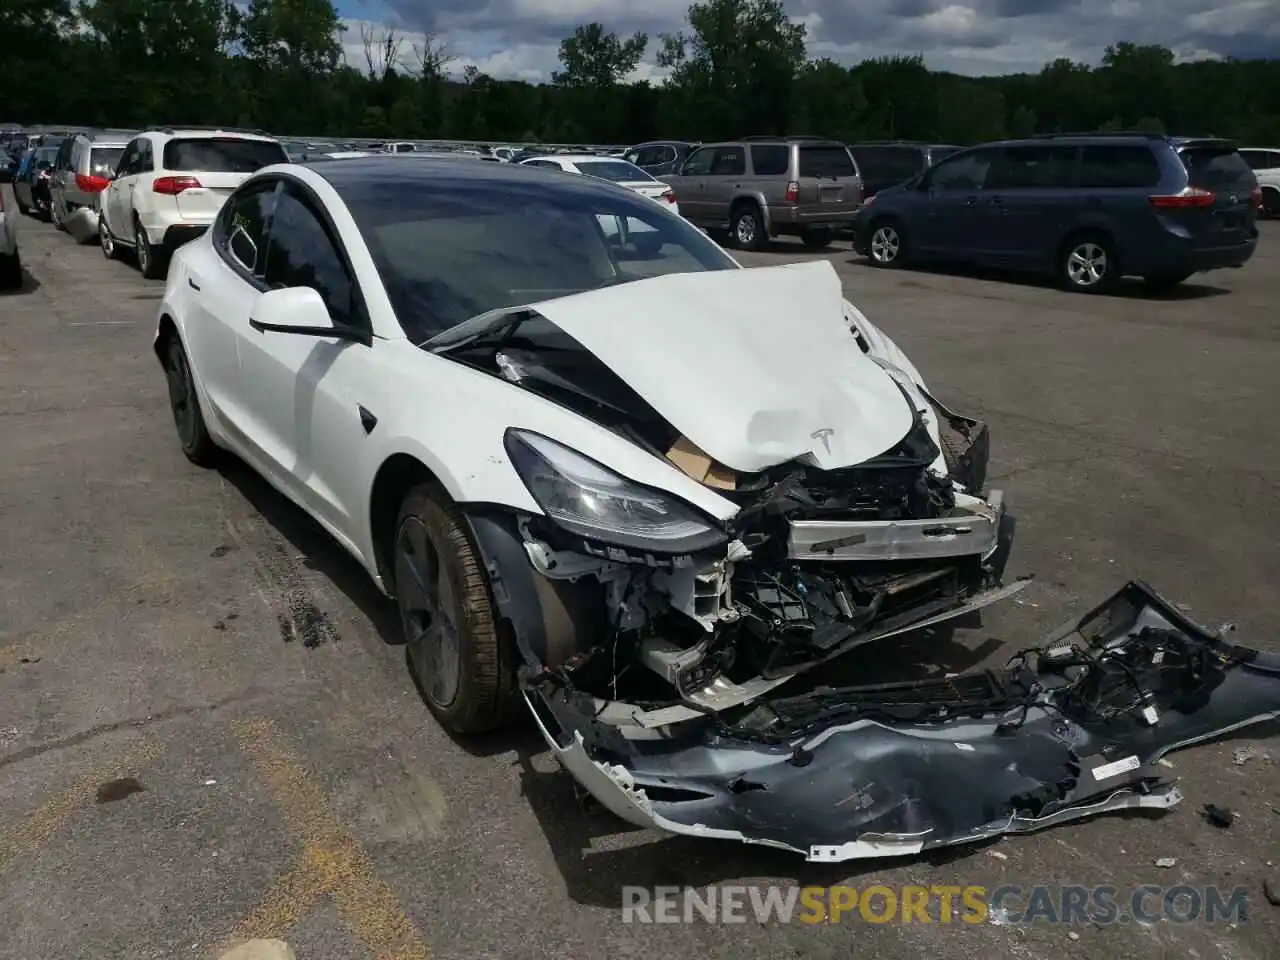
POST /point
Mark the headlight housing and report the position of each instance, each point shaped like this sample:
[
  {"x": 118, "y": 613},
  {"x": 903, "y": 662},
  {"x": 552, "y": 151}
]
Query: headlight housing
[{"x": 586, "y": 498}]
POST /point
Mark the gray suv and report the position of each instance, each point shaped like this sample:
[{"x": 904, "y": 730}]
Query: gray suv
[
  {"x": 763, "y": 187},
  {"x": 84, "y": 167}
]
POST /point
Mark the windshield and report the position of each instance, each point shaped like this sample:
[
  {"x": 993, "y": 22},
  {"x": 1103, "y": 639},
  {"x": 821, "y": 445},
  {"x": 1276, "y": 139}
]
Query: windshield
[
  {"x": 221, "y": 155},
  {"x": 619, "y": 171},
  {"x": 448, "y": 255},
  {"x": 1216, "y": 167}
]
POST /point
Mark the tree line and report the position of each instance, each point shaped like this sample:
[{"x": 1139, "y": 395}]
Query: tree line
[{"x": 738, "y": 67}]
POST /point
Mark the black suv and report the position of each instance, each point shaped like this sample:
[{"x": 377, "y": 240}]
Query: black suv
[
  {"x": 887, "y": 163},
  {"x": 1088, "y": 207}
]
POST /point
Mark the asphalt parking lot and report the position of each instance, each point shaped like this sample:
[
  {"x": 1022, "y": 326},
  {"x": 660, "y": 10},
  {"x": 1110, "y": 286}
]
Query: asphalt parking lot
[{"x": 207, "y": 731}]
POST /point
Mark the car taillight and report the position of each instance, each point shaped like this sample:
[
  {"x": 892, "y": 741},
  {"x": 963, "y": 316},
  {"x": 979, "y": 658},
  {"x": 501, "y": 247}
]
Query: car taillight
[
  {"x": 668, "y": 195},
  {"x": 172, "y": 186},
  {"x": 90, "y": 183},
  {"x": 1189, "y": 197},
  {"x": 793, "y": 191}
]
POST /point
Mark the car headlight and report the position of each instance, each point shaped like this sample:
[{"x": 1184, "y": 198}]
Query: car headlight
[{"x": 588, "y": 499}]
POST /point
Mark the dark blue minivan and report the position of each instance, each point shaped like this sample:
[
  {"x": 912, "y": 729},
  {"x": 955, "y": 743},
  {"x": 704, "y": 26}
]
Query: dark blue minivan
[{"x": 1088, "y": 208}]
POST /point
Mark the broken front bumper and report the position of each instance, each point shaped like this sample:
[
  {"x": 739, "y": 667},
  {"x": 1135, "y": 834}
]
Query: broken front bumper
[{"x": 903, "y": 768}]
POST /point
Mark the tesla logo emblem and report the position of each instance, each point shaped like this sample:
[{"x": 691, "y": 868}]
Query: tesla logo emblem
[
  {"x": 1234, "y": 199},
  {"x": 825, "y": 436}
]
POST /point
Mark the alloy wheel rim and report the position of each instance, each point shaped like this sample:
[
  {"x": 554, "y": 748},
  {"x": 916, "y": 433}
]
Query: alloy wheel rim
[
  {"x": 1087, "y": 265},
  {"x": 429, "y": 613},
  {"x": 885, "y": 244},
  {"x": 144, "y": 250},
  {"x": 104, "y": 237},
  {"x": 746, "y": 228}
]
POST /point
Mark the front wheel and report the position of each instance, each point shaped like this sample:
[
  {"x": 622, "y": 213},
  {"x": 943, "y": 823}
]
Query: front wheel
[
  {"x": 461, "y": 665},
  {"x": 887, "y": 244}
]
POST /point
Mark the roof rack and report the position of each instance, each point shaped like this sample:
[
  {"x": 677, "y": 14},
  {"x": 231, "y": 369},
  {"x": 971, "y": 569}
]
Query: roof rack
[
  {"x": 1148, "y": 134},
  {"x": 788, "y": 136},
  {"x": 175, "y": 127}
]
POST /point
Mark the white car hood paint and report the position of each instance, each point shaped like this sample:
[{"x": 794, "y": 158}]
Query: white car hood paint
[{"x": 755, "y": 366}]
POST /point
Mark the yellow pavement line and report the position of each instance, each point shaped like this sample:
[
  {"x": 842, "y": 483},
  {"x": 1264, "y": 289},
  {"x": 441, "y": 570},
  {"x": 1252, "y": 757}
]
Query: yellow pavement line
[
  {"x": 332, "y": 864},
  {"x": 27, "y": 837}
]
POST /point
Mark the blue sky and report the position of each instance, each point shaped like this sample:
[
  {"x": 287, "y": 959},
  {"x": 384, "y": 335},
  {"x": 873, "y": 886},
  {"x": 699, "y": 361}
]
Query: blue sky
[{"x": 519, "y": 38}]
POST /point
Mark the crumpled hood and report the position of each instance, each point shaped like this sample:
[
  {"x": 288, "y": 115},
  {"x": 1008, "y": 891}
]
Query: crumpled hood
[{"x": 754, "y": 366}]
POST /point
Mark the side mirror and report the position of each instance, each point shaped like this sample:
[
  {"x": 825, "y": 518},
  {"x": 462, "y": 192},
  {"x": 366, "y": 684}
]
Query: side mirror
[{"x": 301, "y": 311}]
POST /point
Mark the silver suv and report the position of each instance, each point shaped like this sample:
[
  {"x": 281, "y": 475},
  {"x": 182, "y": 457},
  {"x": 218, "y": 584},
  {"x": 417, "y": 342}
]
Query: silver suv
[
  {"x": 763, "y": 187},
  {"x": 81, "y": 172}
]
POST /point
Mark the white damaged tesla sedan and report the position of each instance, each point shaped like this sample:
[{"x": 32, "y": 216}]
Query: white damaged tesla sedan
[{"x": 666, "y": 503}]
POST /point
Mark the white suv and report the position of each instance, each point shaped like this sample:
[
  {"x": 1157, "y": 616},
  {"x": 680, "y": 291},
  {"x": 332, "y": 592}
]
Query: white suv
[
  {"x": 171, "y": 183},
  {"x": 1265, "y": 162}
]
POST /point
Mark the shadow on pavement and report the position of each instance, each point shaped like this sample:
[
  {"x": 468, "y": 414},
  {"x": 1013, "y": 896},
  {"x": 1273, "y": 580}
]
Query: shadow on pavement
[{"x": 29, "y": 285}]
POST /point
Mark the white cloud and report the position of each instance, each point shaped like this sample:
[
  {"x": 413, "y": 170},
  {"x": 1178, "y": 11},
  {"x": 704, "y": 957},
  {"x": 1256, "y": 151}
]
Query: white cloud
[{"x": 520, "y": 38}]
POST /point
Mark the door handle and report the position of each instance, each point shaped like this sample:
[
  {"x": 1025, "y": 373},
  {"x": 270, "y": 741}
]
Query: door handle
[
  {"x": 970, "y": 201},
  {"x": 192, "y": 284}
]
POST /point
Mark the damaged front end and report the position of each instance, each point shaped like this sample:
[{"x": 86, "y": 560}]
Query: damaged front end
[{"x": 1066, "y": 731}]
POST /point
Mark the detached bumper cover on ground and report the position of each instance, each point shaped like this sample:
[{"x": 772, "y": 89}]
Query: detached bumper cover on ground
[{"x": 1065, "y": 731}]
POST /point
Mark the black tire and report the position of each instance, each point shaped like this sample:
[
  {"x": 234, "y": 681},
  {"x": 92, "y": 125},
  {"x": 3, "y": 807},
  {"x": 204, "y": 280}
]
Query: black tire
[
  {"x": 55, "y": 215},
  {"x": 107, "y": 240},
  {"x": 10, "y": 271},
  {"x": 1163, "y": 282},
  {"x": 817, "y": 239},
  {"x": 150, "y": 259},
  {"x": 1271, "y": 204},
  {"x": 1087, "y": 264},
  {"x": 746, "y": 227},
  {"x": 887, "y": 244},
  {"x": 184, "y": 403},
  {"x": 463, "y": 668}
]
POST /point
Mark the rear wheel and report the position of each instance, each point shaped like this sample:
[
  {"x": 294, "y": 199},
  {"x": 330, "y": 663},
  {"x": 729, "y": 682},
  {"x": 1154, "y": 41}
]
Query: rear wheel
[
  {"x": 10, "y": 271},
  {"x": 817, "y": 239},
  {"x": 22, "y": 207},
  {"x": 746, "y": 227},
  {"x": 150, "y": 261},
  {"x": 455, "y": 652},
  {"x": 184, "y": 402},
  {"x": 1088, "y": 264},
  {"x": 106, "y": 240}
]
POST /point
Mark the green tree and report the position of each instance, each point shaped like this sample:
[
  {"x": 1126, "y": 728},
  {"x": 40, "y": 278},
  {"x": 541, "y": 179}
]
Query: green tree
[
  {"x": 734, "y": 68},
  {"x": 594, "y": 63}
]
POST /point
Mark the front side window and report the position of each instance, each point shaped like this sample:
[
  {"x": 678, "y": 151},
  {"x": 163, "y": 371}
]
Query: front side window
[
  {"x": 221, "y": 155},
  {"x": 128, "y": 162},
  {"x": 699, "y": 162},
  {"x": 146, "y": 159},
  {"x": 301, "y": 253},
  {"x": 968, "y": 171},
  {"x": 449, "y": 253},
  {"x": 241, "y": 226}
]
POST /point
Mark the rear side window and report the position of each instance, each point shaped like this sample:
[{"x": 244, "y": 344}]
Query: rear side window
[
  {"x": 242, "y": 223},
  {"x": 1118, "y": 165},
  {"x": 1214, "y": 167},
  {"x": 826, "y": 160},
  {"x": 221, "y": 154},
  {"x": 770, "y": 159},
  {"x": 103, "y": 160},
  {"x": 729, "y": 162}
]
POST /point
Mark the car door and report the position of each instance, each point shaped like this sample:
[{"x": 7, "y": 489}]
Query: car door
[
  {"x": 945, "y": 220},
  {"x": 221, "y": 290},
  {"x": 1027, "y": 204},
  {"x": 63, "y": 180},
  {"x": 723, "y": 181},
  {"x": 118, "y": 197},
  {"x": 302, "y": 392},
  {"x": 690, "y": 184}
]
